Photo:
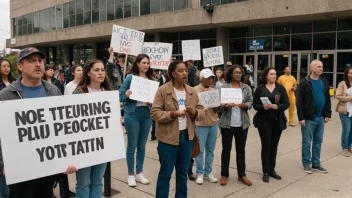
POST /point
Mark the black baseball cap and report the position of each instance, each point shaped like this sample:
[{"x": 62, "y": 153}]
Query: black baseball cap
[{"x": 24, "y": 53}]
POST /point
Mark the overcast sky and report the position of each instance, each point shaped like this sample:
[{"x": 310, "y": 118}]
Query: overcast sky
[{"x": 4, "y": 22}]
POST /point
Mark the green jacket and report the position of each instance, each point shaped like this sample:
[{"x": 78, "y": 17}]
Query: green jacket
[{"x": 225, "y": 119}]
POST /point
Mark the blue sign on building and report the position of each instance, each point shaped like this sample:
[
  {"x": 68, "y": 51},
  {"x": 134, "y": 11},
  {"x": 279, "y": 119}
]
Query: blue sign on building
[{"x": 256, "y": 44}]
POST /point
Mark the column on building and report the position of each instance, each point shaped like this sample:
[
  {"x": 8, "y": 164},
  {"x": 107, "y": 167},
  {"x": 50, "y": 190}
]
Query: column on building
[
  {"x": 66, "y": 53},
  {"x": 222, "y": 39}
]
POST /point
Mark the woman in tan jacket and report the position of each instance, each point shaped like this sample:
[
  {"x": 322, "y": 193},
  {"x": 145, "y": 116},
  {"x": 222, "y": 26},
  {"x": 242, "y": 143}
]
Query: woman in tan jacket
[
  {"x": 346, "y": 120},
  {"x": 175, "y": 107}
]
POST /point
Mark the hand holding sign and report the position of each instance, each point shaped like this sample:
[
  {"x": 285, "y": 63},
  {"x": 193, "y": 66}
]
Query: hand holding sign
[
  {"x": 231, "y": 95},
  {"x": 143, "y": 89}
]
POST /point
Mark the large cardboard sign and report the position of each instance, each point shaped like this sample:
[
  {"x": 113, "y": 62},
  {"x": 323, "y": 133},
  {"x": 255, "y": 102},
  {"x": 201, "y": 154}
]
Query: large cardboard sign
[
  {"x": 210, "y": 99},
  {"x": 43, "y": 136},
  {"x": 213, "y": 56},
  {"x": 159, "y": 54},
  {"x": 143, "y": 90},
  {"x": 127, "y": 41},
  {"x": 231, "y": 95},
  {"x": 191, "y": 50}
]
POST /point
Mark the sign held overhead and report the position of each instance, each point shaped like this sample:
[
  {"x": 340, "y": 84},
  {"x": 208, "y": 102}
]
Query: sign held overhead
[{"x": 127, "y": 41}]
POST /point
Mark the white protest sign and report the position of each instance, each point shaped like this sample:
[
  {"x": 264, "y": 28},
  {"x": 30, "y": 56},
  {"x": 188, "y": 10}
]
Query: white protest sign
[
  {"x": 231, "y": 95},
  {"x": 142, "y": 89},
  {"x": 40, "y": 137},
  {"x": 265, "y": 100},
  {"x": 213, "y": 56},
  {"x": 191, "y": 50},
  {"x": 210, "y": 99},
  {"x": 159, "y": 54},
  {"x": 127, "y": 41}
]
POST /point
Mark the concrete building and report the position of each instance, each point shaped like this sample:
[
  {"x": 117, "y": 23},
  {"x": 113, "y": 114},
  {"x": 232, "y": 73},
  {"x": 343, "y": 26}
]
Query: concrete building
[{"x": 292, "y": 32}]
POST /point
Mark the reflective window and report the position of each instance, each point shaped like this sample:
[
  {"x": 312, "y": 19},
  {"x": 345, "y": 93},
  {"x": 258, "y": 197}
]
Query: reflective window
[
  {"x": 345, "y": 24},
  {"x": 240, "y": 32},
  {"x": 95, "y": 4},
  {"x": 145, "y": 7},
  {"x": 135, "y": 8},
  {"x": 267, "y": 44},
  {"x": 102, "y": 14},
  {"x": 110, "y": 2},
  {"x": 155, "y": 6},
  {"x": 325, "y": 41},
  {"x": 305, "y": 27},
  {"x": 72, "y": 7},
  {"x": 263, "y": 30},
  {"x": 110, "y": 13},
  {"x": 344, "y": 60},
  {"x": 87, "y": 5},
  {"x": 127, "y": 8},
  {"x": 79, "y": 19},
  {"x": 344, "y": 40},
  {"x": 325, "y": 25},
  {"x": 205, "y": 2},
  {"x": 180, "y": 4},
  {"x": 119, "y": 11},
  {"x": 79, "y": 6},
  {"x": 301, "y": 42},
  {"x": 66, "y": 21},
  {"x": 87, "y": 17},
  {"x": 42, "y": 21},
  {"x": 238, "y": 45},
  {"x": 36, "y": 22},
  {"x": 282, "y": 28},
  {"x": 281, "y": 43},
  {"x": 95, "y": 16},
  {"x": 167, "y": 5},
  {"x": 72, "y": 20}
]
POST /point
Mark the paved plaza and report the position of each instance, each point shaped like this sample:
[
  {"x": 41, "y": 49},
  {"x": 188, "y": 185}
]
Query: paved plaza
[{"x": 295, "y": 183}]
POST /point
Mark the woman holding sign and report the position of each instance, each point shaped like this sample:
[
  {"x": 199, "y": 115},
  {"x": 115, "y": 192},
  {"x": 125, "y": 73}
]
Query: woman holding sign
[
  {"x": 89, "y": 180},
  {"x": 234, "y": 122},
  {"x": 175, "y": 107},
  {"x": 270, "y": 100},
  {"x": 137, "y": 121}
]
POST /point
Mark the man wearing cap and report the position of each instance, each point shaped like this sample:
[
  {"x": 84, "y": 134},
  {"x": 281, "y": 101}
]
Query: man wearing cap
[
  {"x": 193, "y": 79},
  {"x": 30, "y": 63},
  {"x": 207, "y": 130}
]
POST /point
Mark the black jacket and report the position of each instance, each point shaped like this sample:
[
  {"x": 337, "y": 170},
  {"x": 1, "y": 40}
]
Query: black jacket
[
  {"x": 305, "y": 100},
  {"x": 259, "y": 119}
]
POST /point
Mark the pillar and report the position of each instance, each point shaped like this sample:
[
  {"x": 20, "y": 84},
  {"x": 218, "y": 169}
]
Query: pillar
[
  {"x": 222, "y": 39},
  {"x": 65, "y": 53}
]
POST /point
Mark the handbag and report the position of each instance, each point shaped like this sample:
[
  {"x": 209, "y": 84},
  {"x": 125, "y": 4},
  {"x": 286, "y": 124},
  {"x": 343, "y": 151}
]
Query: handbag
[{"x": 195, "y": 148}]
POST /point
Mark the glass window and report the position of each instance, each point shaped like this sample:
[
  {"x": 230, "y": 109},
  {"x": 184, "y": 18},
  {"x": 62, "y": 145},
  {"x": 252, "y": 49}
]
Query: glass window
[
  {"x": 154, "y": 6},
  {"x": 95, "y": 16},
  {"x": 344, "y": 60},
  {"x": 87, "y": 5},
  {"x": 325, "y": 41},
  {"x": 267, "y": 44},
  {"x": 66, "y": 21},
  {"x": 344, "y": 40},
  {"x": 118, "y": 11},
  {"x": 203, "y": 34},
  {"x": 301, "y": 42},
  {"x": 42, "y": 20},
  {"x": 228, "y": 1},
  {"x": 283, "y": 28},
  {"x": 325, "y": 25},
  {"x": 102, "y": 14},
  {"x": 87, "y": 17},
  {"x": 102, "y": 4},
  {"x": 239, "y": 32},
  {"x": 66, "y": 9},
  {"x": 205, "y": 2},
  {"x": 30, "y": 28},
  {"x": 110, "y": 2},
  {"x": 167, "y": 5},
  {"x": 345, "y": 24},
  {"x": 72, "y": 7},
  {"x": 79, "y": 6},
  {"x": 110, "y": 13},
  {"x": 52, "y": 24},
  {"x": 79, "y": 19},
  {"x": 135, "y": 8},
  {"x": 72, "y": 21},
  {"x": 172, "y": 36},
  {"x": 19, "y": 21},
  {"x": 127, "y": 9},
  {"x": 24, "y": 30},
  {"x": 59, "y": 11},
  {"x": 180, "y": 4},
  {"x": 95, "y": 4},
  {"x": 59, "y": 23},
  {"x": 237, "y": 45},
  {"x": 145, "y": 7},
  {"x": 263, "y": 30},
  {"x": 36, "y": 22},
  {"x": 305, "y": 27},
  {"x": 29, "y": 18},
  {"x": 281, "y": 43},
  {"x": 24, "y": 20},
  {"x": 185, "y": 35}
]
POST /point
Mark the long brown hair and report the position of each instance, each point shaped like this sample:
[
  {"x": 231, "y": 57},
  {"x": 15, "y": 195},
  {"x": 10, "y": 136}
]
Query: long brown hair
[
  {"x": 86, "y": 79},
  {"x": 47, "y": 67},
  {"x": 135, "y": 69},
  {"x": 265, "y": 74},
  {"x": 10, "y": 77}
]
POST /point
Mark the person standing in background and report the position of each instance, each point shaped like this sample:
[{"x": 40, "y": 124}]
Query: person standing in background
[
  {"x": 114, "y": 71},
  {"x": 290, "y": 83},
  {"x": 77, "y": 72},
  {"x": 193, "y": 79},
  {"x": 49, "y": 77}
]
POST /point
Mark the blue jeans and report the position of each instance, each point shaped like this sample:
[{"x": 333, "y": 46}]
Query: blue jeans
[
  {"x": 346, "y": 136},
  {"x": 312, "y": 133},
  {"x": 137, "y": 126},
  {"x": 89, "y": 181},
  {"x": 4, "y": 190},
  {"x": 171, "y": 156},
  {"x": 207, "y": 138}
]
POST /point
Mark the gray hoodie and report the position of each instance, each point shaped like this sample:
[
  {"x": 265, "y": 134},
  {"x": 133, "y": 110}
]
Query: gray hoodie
[{"x": 14, "y": 92}]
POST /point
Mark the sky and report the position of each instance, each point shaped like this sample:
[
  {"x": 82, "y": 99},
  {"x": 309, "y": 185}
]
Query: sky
[{"x": 4, "y": 22}]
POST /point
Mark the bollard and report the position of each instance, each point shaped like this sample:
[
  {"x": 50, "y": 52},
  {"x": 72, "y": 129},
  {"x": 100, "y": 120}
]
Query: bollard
[{"x": 107, "y": 180}]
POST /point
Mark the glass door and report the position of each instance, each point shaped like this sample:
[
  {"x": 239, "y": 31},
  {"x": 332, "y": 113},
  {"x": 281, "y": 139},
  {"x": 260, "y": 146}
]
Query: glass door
[
  {"x": 280, "y": 62},
  {"x": 328, "y": 60},
  {"x": 344, "y": 61}
]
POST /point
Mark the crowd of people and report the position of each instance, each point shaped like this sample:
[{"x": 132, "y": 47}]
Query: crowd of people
[{"x": 176, "y": 116}]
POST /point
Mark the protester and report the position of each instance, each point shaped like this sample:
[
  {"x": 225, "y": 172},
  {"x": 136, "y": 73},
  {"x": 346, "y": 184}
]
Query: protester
[
  {"x": 77, "y": 72},
  {"x": 114, "y": 71},
  {"x": 193, "y": 79},
  {"x": 89, "y": 179},
  {"x": 81, "y": 62},
  {"x": 49, "y": 77},
  {"x": 60, "y": 74},
  {"x": 68, "y": 73},
  {"x": 207, "y": 130},
  {"x": 313, "y": 110},
  {"x": 137, "y": 121},
  {"x": 270, "y": 119},
  {"x": 30, "y": 63},
  {"x": 290, "y": 83},
  {"x": 174, "y": 128},
  {"x": 234, "y": 123},
  {"x": 220, "y": 78},
  {"x": 343, "y": 97},
  {"x": 158, "y": 77}
]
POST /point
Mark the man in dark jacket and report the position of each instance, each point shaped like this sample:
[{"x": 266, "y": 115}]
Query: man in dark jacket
[
  {"x": 114, "y": 71},
  {"x": 314, "y": 110},
  {"x": 193, "y": 79},
  {"x": 30, "y": 63}
]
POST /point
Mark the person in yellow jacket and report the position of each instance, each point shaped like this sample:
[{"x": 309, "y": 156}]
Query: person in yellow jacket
[{"x": 290, "y": 83}]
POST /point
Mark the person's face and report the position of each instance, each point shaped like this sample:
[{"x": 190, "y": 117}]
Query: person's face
[
  {"x": 349, "y": 74},
  {"x": 249, "y": 62},
  {"x": 317, "y": 68},
  {"x": 143, "y": 65},
  {"x": 189, "y": 64},
  {"x": 207, "y": 82},
  {"x": 218, "y": 74},
  {"x": 49, "y": 73},
  {"x": 287, "y": 71},
  {"x": 97, "y": 73},
  {"x": 5, "y": 68},
  {"x": 59, "y": 67},
  {"x": 181, "y": 73},
  {"x": 32, "y": 67},
  {"x": 237, "y": 74},
  {"x": 271, "y": 77},
  {"x": 78, "y": 73},
  {"x": 121, "y": 59},
  {"x": 73, "y": 63}
]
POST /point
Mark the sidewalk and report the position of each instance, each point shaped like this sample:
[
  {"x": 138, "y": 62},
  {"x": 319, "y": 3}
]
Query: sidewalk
[{"x": 295, "y": 183}]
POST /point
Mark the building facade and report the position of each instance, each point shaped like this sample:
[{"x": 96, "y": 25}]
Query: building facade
[{"x": 293, "y": 32}]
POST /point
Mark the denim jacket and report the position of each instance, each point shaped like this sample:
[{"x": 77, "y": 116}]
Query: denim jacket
[
  {"x": 129, "y": 104},
  {"x": 225, "y": 119}
]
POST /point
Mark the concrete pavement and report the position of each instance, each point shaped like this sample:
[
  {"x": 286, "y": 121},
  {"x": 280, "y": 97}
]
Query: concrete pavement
[{"x": 295, "y": 183}]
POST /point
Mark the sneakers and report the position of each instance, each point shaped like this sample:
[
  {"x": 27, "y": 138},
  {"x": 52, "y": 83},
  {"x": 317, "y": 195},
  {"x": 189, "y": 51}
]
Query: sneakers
[
  {"x": 292, "y": 125},
  {"x": 199, "y": 179},
  {"x": 131, "y": 181},
  {"x": 308, "y": 169},
  {"x": 211, "y": 178},
  {"x": 319, "y": 169},
  {"x": 345, "y": 153},
  {"x": 141, "y": 179}
]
